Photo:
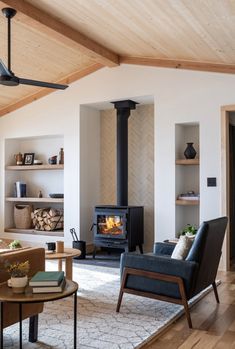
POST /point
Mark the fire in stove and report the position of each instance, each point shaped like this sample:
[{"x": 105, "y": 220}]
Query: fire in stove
[{"x": 110, "y": 225}]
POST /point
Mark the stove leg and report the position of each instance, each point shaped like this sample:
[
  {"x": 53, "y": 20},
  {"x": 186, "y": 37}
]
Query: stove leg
[
  {"x": 94, "y": 252},
  {"x": 141, "y": 248}
]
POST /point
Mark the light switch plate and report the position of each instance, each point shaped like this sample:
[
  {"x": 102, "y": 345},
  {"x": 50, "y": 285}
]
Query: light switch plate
[{"x": 211, "y": 181}]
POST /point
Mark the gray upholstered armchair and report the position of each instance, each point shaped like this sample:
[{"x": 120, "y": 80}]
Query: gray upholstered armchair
[{"x": 159, "y": 276}]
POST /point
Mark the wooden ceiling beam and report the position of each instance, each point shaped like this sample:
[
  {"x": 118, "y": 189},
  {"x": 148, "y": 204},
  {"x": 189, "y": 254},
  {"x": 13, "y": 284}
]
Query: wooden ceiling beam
[
  {"x": 37, "y": 19},
  {"x": 46, "y": 91},
  {"x": 180, "y": 64}
]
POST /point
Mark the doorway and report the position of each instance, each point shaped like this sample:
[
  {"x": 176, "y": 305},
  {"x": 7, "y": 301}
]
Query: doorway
[
  {"x": 232, "y": 187},
  {"x": 228, "y": 183}
]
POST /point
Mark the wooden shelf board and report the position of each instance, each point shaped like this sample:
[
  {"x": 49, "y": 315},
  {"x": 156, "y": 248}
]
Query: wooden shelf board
[
  {"x": 34, "y": 167},
  {"x": 35, "y": 232},
  {"x": 29, "y": 199},
  {"x": 187, "y": 202},
  {"x": 187, "y": 162}
]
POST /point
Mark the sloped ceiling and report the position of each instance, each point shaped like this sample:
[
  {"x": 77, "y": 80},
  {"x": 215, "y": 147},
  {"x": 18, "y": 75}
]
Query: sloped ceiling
[{"x": 61, "y": 41}]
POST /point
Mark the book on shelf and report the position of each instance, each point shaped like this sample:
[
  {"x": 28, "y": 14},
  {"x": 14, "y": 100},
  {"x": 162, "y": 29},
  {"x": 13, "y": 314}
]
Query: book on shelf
[
  {"x": 189, "y": 198},
  {"x": 51, "y": 289},
  {"x": 47, "y": 278},
  {"x": 20, "y": 189}
]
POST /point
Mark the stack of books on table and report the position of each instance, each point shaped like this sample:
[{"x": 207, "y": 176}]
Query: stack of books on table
[{"x": 48, "y": 282}]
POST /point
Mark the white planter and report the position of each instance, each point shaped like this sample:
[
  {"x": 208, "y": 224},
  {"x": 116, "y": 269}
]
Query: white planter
[{"x": 18, "y": 284}]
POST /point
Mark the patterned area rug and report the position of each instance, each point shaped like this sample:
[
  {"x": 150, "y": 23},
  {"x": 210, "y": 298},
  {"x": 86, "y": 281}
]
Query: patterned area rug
[{"x": 99, "y": 326}]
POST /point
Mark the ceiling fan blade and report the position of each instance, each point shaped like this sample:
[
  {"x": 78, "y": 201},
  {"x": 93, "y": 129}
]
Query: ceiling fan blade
[
  {"x": 42, "y": 84},
  {"x": 3, "y": 69}
]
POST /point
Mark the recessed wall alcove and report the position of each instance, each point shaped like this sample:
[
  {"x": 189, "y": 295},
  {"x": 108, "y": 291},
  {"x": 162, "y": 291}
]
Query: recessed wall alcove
[{"x": 98, "y": 162}]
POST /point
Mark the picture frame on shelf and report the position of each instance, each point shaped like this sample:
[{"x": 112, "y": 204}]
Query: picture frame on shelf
[{"x": 28, "y": 158}]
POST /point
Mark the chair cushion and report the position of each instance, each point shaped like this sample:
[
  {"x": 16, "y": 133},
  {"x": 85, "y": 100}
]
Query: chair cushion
[
  {"x": 182, "y": 247},
  {"x": 163, "y": 248}
]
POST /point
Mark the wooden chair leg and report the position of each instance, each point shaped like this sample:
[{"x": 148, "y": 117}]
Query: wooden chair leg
[
  {"x": 215, "y": 292},
  {"x": 187, "y": 313},
  {"x": 185, "y": 303},
  {"x": 33, "y": 329},
  {"x": 124, "y": 278}
]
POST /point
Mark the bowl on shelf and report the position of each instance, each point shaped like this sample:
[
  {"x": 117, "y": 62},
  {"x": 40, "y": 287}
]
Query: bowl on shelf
[{"x": 56, "y": 196}]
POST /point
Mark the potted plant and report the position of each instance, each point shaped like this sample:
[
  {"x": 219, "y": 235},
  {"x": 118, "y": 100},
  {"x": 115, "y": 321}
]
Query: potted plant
[
  {"x": 189, "y": 230},
  {"x": 14, "y": 244},
  {"x": 19, "y": 278}
]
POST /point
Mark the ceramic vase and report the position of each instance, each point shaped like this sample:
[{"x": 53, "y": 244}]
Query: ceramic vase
[
  {"x": 18, "y": 284},
  {"x": 190, "y": 152}
]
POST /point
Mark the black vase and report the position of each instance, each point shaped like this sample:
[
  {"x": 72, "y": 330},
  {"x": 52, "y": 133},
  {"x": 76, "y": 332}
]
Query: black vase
[{"x": 190, "y": 152}]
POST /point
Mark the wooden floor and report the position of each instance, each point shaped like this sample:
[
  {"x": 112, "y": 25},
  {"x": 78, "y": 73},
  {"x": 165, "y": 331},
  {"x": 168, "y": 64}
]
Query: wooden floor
[{"x": 213, "y": 324}]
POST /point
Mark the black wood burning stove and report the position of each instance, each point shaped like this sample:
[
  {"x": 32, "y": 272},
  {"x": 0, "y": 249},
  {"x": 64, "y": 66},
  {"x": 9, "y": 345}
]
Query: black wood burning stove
[{"x": 120, "y": 226}]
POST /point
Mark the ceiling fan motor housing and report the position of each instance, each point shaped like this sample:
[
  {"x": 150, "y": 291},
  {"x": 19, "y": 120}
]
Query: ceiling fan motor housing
[{"x": 9, "y": 12}]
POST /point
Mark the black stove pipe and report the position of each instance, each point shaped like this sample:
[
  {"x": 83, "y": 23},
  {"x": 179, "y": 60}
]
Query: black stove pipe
[{"x": 123, "y": 112}]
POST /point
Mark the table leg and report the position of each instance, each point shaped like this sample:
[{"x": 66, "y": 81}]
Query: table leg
[
  {"x": 75, "y": 321},
  {"x": 69, "y": 268},
  {"x": 1, "y": 325},
  {"x": 20, "y": 324},
  {"x": 60, "y": 264}
]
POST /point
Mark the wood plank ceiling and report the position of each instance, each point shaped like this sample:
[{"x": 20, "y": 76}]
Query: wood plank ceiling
[{"x": 61, "y": 41}]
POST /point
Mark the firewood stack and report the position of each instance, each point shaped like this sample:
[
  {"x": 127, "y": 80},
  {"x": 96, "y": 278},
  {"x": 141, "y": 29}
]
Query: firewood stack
[{"x": 47, "y": 219}]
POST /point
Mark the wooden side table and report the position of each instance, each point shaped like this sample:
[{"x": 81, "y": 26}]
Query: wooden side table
[
  {"x": 67, "y": 256},
  {"x": 6, "y": 295}
]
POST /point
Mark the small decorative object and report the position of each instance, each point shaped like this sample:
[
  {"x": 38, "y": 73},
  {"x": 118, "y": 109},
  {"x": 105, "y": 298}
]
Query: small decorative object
[
  {"x": 20, "y": 189},
  {"x": 15, "y": 244},
  {"x": 59, "y": 246},
  {"x": 52, "y": 160},
  {"x": 37, "y": 162},
  {"x": 28, "y": 159},
  {"x": 61, "y": 158},
  {"x": 18, "y": 158},
  {"x": 19, "y": 278},
  {"x": 189, "y": 230},
  {"x": 40, "y": 194},
  {"x": 22, "y": 216},
  {"x": 190, "y": 152},
  {"x": 51, "y": 246}
]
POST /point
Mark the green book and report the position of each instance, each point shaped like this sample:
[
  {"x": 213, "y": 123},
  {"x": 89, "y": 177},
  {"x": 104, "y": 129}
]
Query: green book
[
  {"x": 50, "y": 289},
  {"x": 47, "y": 278}
]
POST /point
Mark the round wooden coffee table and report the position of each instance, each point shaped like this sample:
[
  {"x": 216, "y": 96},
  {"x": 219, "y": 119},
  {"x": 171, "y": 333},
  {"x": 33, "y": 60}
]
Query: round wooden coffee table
[
  {"x": 6, "y": 295},
  {"x": 67, "y": 256}
]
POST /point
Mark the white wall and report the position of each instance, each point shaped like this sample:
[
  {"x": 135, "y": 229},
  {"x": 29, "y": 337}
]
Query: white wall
[
  {"x": 89, "y": 169},
  {"x": 52, "y": 115},
  {"x": 180, "y": 96}
]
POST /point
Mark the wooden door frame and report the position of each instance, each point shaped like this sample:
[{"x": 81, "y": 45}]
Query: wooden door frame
[{"x": 225, "y": 180}]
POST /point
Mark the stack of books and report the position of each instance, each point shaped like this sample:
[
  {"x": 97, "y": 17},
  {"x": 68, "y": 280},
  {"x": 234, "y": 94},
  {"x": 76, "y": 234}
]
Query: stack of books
[{"x": 48, "y": 282}]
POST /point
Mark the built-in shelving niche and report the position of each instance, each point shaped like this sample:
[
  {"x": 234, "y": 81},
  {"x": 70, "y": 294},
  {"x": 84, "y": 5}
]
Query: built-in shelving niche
[
  {"x": 47, "y": 178},
  {"x": 186, "y": 175}
]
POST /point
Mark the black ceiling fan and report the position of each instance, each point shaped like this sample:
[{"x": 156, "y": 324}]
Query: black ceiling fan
[{"x": 7, "y": 77}]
